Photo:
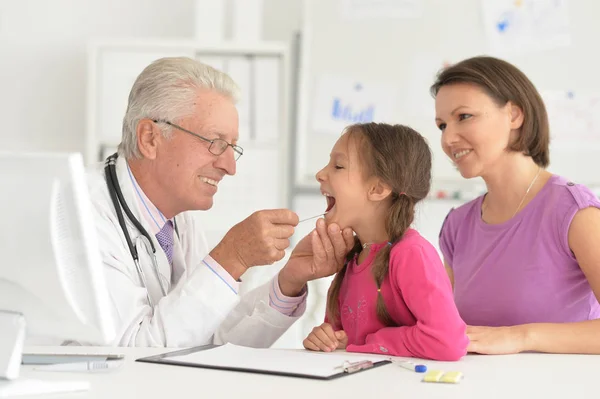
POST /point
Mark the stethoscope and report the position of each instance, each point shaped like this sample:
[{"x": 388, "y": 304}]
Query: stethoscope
[{"x": 119, "y": 202}]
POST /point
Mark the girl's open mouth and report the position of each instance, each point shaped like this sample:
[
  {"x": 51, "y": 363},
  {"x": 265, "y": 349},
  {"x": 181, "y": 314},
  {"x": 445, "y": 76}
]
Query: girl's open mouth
[{"x": 330, "y": 202}]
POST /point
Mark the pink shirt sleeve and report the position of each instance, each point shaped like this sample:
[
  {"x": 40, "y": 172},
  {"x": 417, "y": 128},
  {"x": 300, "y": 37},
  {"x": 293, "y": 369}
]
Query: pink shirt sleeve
[{"x": 439, "y": 333}]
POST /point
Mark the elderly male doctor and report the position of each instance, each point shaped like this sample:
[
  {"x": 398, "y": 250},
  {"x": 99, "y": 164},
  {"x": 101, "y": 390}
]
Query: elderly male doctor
[{"x": 179, "y": 140}]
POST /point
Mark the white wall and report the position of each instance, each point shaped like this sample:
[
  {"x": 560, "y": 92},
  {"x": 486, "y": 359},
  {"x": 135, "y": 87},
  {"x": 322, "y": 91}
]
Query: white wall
[
  {"x": 43, "y": 58},
  {"x": 415, "y": 48},
  {"x": 281, "y": 19},
  {"x": 43, "y": 68}
]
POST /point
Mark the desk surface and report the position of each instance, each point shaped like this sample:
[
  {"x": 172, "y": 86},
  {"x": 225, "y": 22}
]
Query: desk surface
[{"x": 511, "y": 376}]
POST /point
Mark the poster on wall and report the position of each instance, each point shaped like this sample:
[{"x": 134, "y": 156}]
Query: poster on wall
[
  {"x": 523, "y": 26},
  {"x": 574, "y": 116},
  {"x": 339, "y": 102}
]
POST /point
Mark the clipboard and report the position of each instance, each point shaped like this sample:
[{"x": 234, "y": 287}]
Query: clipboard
[{"x": 351, "y": 366}]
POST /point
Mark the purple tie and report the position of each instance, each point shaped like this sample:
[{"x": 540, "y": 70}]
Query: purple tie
[{"x": 165, "y": 239}]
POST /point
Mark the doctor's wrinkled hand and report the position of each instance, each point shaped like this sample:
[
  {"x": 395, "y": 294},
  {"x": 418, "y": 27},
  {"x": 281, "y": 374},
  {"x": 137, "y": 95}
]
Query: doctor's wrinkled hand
[
  {"x": 260, "y": 239},
  {"x": 320, "y": 254}
]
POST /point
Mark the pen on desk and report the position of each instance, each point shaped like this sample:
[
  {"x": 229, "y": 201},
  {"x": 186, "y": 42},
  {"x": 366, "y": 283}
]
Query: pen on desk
[
  {"x": 351, "y": 367},
  {"x": 417, "y": 368},
  {"x": 82, "y": 366}
]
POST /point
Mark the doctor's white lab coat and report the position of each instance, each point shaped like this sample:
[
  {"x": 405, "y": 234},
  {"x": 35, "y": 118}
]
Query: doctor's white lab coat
[{"x": 199, "y": 308}]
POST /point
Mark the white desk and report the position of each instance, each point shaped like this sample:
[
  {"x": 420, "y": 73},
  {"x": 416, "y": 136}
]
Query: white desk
[{"x": 534, "y": 376}]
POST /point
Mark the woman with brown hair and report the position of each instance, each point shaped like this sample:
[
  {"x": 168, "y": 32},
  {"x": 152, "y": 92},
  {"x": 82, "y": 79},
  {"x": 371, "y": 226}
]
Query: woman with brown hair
[{"x": 524, "y": 258}]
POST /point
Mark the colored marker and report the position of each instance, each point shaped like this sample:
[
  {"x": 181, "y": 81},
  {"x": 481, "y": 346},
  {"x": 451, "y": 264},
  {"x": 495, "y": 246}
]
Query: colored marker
[{"x": 417, "y": 368}]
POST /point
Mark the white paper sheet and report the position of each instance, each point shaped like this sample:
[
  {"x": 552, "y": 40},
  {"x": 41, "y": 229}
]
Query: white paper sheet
[
  {"x": 574, "y": 116},
  {"x": 340, "y": 102},
  {"x": 26, "y": 387},
  {"x": 522, "y": 26},
  {"x": 274, "y": 360}
]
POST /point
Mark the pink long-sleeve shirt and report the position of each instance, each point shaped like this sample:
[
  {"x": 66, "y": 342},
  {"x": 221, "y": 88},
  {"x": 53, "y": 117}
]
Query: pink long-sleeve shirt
[{"x": 418, "y": 296}]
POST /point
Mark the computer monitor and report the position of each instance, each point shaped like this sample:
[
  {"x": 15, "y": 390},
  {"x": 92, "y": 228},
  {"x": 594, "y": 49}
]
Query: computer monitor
[{"x": 51, "y": 273}]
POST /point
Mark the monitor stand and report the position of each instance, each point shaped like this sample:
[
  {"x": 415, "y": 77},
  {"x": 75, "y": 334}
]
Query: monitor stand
[{"x": 12, "y": 340}]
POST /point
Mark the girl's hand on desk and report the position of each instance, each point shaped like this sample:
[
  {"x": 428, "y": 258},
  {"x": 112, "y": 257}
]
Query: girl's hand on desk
[
  {"x": 324, "y": 338},
  {"x": 496, "y": 340}
]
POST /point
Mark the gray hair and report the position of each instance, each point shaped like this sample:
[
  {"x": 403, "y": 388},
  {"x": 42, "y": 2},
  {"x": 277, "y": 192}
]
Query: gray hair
[{"x": 166, "y": 89}]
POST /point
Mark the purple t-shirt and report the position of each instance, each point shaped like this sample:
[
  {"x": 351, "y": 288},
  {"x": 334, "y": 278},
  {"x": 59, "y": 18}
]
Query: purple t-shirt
[{"x": 520, "y": 271}]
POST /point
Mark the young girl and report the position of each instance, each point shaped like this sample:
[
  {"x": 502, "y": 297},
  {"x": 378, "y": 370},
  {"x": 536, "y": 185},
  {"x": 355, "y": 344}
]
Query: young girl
[{"x": 393, "y": 296}]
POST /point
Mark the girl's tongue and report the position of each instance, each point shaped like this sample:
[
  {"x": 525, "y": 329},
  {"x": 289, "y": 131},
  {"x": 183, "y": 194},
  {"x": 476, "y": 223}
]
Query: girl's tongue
[{"x": 330, "y": 203}]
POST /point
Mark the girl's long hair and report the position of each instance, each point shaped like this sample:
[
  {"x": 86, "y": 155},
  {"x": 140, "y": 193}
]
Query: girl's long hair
[{"x": 401, "y": 158}]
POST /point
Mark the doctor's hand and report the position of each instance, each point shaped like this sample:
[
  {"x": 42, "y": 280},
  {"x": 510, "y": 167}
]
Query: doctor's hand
[
  {"x": 320, "y": 254},
  {"x": 324, "y": 338},
  {"x": 260, "y": 239}
]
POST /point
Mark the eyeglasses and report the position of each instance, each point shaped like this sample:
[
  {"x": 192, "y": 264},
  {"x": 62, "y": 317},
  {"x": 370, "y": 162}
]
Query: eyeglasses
[{"x": 217, "y": 146}]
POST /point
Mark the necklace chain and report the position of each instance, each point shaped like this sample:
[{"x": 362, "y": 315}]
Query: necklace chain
[
  {"x": 527, "y": 192},
  {"x": 524, "y": 196}
]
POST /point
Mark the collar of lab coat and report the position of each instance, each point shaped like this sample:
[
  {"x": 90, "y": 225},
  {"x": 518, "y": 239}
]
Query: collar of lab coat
[{"x": 127, "y": 188}]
